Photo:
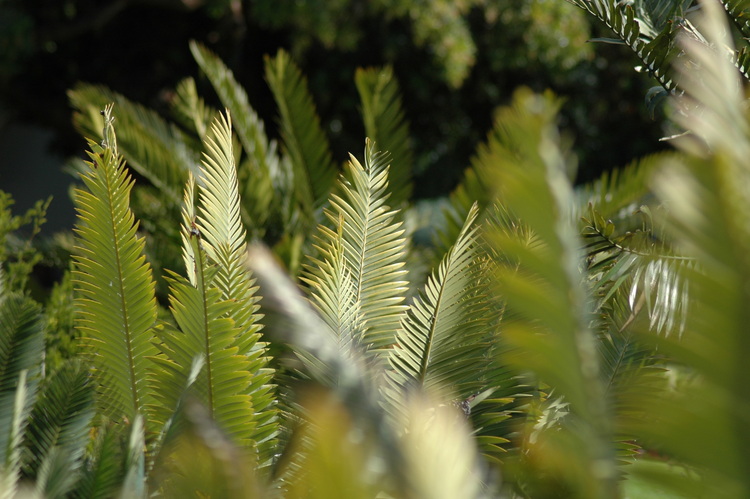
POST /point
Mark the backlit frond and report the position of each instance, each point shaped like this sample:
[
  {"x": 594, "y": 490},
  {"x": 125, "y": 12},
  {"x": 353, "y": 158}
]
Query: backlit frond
[{"x": 115, "y": 301}]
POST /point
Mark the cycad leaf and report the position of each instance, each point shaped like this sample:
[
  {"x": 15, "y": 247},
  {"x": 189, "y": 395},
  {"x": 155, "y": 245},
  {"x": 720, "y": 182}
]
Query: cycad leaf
[
  {"x": 191, "y": 110},
  {"x": 60, "y": 420},
  {"x": 154, "y": 148},
  {"x": 652, "y": 43},
  {"x": 215, "y": 309},
  {"x": 263, "y": 174},
  {"x": 15, "y": 406},
  {"x": 224, "y": 236},
  {"x": 333, "y": 291},
  {"x": 709, "y": 209},
  {"x": 304, "y": 140},
  {"x": 21, "y": 339},
  {"x": 441, "y": 339},
  {"x": 544, "y": 288},
  {"x": 116, "y": 305},
  {"x": 102, "y": 472},
  {"x": 372, "y": 244},
  {"x": 386, "y": 125}
]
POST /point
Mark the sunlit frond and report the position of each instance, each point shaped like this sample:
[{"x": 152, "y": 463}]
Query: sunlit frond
[{"x": 115, "y": 301}]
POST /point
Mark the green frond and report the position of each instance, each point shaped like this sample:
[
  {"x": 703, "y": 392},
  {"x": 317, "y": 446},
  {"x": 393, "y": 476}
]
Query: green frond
[
  {"x": 60, "y": 420},
  {"x": 386, "y": 125},
  {"x": 215, "y": 309},
  {"x": 619, "y": 193},
  {"x": 372, "y": 244},
  {"x": 442, "y": 336},
  {"x": 190, "y": 110},
  {"x": 644, "y": 30},
  {"x": 263, "y": 174},
  {"x": 708, "y": 199},
  {"x": 157, "y": 150},
  {"x": 304, "y": 141},
  {"x": 204, "y": 329},
  {"x": 102, "y": 471},
  {"x": 115, "y": 301},
  {"x": 291, "y": 319},
  {"x": 333, "y": 291},
  {"x": 21, "y": 339},
  {"x": 637, "y": 267},
  {"x": 57, "y": 475},
  {"x": 542, "y": 286},
  {"x": 15, "y": 406},
  {"x": 739, "y": 13}
]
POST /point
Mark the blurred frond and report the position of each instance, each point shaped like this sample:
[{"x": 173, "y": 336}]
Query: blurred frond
[
  {"x": 386, "y": 125},
  {"x": 304, "y": 141},
  {"x": 157, "y": 150}
]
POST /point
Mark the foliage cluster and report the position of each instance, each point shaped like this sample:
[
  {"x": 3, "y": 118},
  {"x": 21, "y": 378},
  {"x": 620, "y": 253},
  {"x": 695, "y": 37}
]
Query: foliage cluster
[{"x": 255, "y": 321}]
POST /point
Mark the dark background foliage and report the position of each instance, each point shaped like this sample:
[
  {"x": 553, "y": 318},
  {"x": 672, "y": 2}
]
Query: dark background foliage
[{"x": 140, "y": 48}]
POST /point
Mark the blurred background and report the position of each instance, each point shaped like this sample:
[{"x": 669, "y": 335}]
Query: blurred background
[{"x": 455, "y": 60}]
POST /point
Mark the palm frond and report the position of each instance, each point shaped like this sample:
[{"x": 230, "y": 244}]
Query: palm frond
[
  {"x": 103, "y": 468},
  {"x": 21, "y": 339},
  {"x": 644, "y": 30},
  {"x": 57, "y": 475},
  {"x": 709, "y": 208},
  {"x": 441, "y": 339},
  {"x": 157, "y": 150},
  {"x": 190, "y": 110},
  {"x": 304, "y": 141},
  {"x": 15, "y": 406},
  {"x": 386, "y": 125},
  {"x": 640, "y": 266},
  {"x": 556, "y": 344},
  {"x": 115, "y": 301},
  {"x": 60, "y": 420},
  {"x": 223, "y": 236},
  {"x": 372, "y": 244},
  {"x": 263, "y": 174},
  {"x": 333, "y": 291}
]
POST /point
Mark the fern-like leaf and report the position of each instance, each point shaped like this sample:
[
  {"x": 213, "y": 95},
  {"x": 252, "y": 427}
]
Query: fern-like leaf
[
  {"x": 304, "y": 141},
  {"x": 263, "y": 174},
  {"x": 386, "y": 125},
  {"x": 115, "y": 301},
  {"x": 542, "y": 285},
  {"x": 372, "y": 244},
  {"x": 441, "y": 340},
  {"x": 157, "y": 150},
  {"x": 60, "y": 420}
]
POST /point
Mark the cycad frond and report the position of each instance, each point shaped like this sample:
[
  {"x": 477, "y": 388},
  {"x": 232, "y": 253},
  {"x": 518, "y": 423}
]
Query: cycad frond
[
  {"x": 60, "y": 419},
  {"x": 372, "y": 244},
  {"x": 441, "y": 339},
  {"x": 263, "y": 174},
  {"x": 21, "y": 339},
  {"x": 116, "y": 305},
  {"x": 102, "y": 471},
  {"x": 14, "y": 411},
  {"x": 333, "y": 291},
  {"x": 638, "y": 268},
  {"x": 215, "y": 308},
  {"x": 709, "y": 208},
  {"x": 542, "y": 285},
  {"x": 205, "y": 330},
  {"x": 154, "y": 148},
  {"x": 304, "y": 141},
  {"x": 386, "y": 125},
  {"x": 191, "y": 110},
  {"x": 652, "y": 43}
]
